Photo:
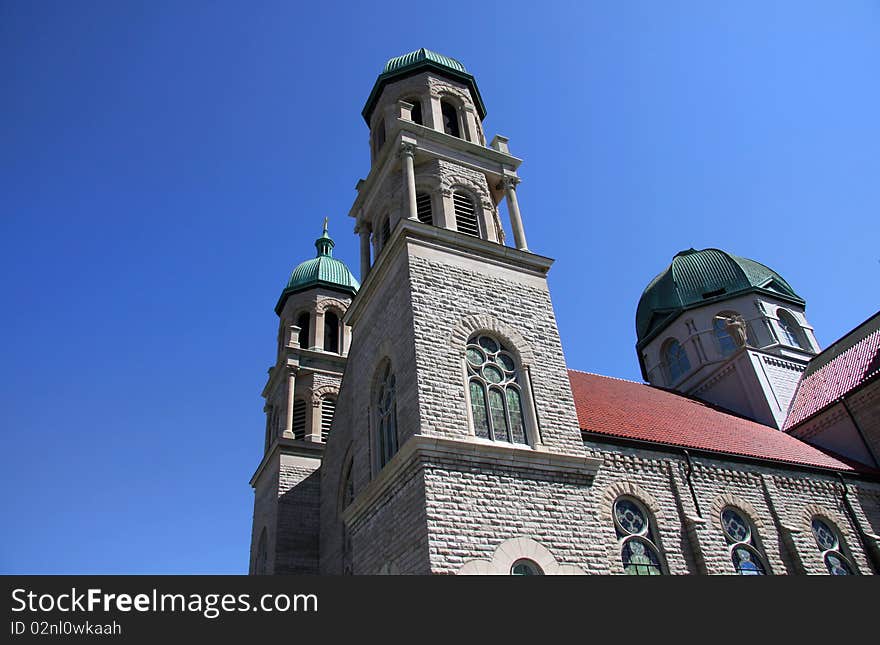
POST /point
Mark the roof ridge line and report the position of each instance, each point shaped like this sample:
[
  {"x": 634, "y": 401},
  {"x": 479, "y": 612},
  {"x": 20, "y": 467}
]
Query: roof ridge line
[{"x": 615, "y": 378}]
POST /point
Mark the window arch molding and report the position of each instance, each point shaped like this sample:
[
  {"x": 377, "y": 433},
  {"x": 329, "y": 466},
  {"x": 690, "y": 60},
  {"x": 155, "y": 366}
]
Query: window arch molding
[
  {"x": 792, "y": 333},
  {"x": 513, "y": 550},
  {"x": 484, "y": 323},
  {"x": 675, "y": 358},
  {"x": 838, "y": 524}
]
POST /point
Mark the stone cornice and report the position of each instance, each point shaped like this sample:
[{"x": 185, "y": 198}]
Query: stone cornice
[
  {"x": 284, "y": 446},
  {"x": 424, "y": 449},
  {"x": 412, "y": 231}
]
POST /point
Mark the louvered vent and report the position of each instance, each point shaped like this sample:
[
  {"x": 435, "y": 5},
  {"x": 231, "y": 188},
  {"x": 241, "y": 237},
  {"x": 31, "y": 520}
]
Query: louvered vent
[
  {"x": 299, "y": 419},
  {"x": 328, "y": 407},
  {"x": 465, "y": 214},
  {"x": 423, "y": 208}
]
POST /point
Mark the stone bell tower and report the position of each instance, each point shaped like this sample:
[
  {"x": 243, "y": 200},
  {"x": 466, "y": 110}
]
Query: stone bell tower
[
  {"x": 455, "y": 398},
  {"x": 300, "y": 393}
]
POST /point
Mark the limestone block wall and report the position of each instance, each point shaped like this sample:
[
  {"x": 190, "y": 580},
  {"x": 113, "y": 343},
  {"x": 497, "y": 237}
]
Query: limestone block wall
[
  {"x": 452, "y": 298},
  {"x": 780, "y": 503},
  {"x": 265, "y": 515},
  {"x": 472, "y": 509},
  {"x": 298, "y": 516},
  {"x": 382, "y": 332}
]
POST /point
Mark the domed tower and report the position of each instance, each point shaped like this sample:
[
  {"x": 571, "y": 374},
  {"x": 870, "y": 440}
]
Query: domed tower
[
  {"x": 725, "y": 329},
  {"x": 301, "y": 394},
  {"x": 456, "y": 378}
]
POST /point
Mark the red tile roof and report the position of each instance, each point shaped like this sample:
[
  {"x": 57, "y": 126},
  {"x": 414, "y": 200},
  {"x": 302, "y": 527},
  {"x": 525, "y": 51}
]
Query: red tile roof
[
  {"x": 613, "y": 407},
  {"x": 839, "y": 369}
]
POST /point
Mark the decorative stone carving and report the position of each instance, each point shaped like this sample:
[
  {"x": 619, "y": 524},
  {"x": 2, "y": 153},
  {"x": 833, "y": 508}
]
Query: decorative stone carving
[{"x": 735, "y": 326}]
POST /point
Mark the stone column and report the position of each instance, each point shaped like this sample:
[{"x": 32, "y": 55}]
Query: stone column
[
  {"x": 288, "y": 425},
  {"x": 407, "y": 152},
  {"x": 364, "y": 232},
  {"x": 529, "y": 407},
  {"x": 519, "y": 236},
  {"x": 318, "y": 342}
]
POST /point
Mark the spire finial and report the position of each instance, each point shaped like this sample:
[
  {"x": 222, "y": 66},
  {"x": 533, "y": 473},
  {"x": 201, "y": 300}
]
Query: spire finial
[{"x": 324, "y": 244}]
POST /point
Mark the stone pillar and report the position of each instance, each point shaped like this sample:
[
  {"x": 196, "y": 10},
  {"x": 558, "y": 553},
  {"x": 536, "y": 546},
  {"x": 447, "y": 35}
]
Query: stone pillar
[
  {"x": 313, "y": 421},
  {"x": 288, "y": 424},
  {"x": 318, "y": 342},
  {"x": 293, "y": 336},
  {"x": 469, "y": 121},
  {"x": 405, "y": 109},
  {"x": 519, "y": 236},
  {"x": 407, "y": 152},
  {"x": 364, "y": 232}
]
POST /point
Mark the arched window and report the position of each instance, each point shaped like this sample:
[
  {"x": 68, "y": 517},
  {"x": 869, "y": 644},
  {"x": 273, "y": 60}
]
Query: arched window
[
  {"x": 331, "y": 332},
  {"x": 299, "y": 419},
  {"x": 635, "y": 533},
  {"x": 726, "y": 344},
  {"x": 465, "y": 213},
  {"x": 792, "y": 334},
  {"x": 303, "y": 323},
  {"x": 744, "y": 547},
  {"x": 423, "y": 208},
  {"x": 829, "y": 543},
  {"x": 494, "y": 389},
  {"x": 385, "y": 403},
  {"x": 450, "y": 119},
  {"x": 261, "y": 559},
  {"x": 525, "y": 568},
  {"x": 328, "y": 408},
  {"x": 676, "y": 360},
  {"x": 416, "y": 114}
]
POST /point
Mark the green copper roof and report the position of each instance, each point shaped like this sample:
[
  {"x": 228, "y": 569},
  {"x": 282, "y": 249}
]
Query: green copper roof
[
  {"x": 419, "y": 61},
  {"x": 695, "y": 278},
  {"x": 414, "y": 58},
  {"x": 321, "y": 271}
]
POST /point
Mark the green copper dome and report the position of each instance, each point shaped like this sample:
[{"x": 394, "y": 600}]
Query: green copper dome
[
  {"x": 414, "y": 58},
  {"x": 321, "y": 271},
  {"x": 695, "y": 278},
  {"x": 416, "y": 62}
]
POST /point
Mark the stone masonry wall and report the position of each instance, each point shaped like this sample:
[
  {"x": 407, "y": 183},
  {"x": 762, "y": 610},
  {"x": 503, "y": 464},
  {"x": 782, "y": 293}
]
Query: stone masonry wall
[
  {"x": 451, "y": 301},
  {"x": 298, "y": 522}
]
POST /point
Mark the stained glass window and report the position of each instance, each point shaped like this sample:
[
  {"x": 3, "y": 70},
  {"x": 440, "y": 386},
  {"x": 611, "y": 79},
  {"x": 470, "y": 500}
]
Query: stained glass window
[
  {"x": 386, "y": 415},
  {"x": 495, "y": 391},
  {"x": 828, "y": 541},
  {"x": 638, "y": 549},
  {"x": 525, "y": 568},
  {"x": 742, "y": 540}
]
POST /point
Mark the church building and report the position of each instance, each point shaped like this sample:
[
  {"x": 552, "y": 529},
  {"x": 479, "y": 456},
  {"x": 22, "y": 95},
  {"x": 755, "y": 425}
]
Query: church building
[{"x": 423, "y": 419}]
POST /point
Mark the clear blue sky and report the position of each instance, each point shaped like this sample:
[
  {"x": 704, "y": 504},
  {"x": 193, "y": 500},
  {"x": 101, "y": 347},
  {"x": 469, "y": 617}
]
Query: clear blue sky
[{"x": 164, "y": 166}]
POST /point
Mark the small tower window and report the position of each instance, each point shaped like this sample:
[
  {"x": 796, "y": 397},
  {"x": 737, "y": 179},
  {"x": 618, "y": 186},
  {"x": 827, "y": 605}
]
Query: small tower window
[
  {"x": 331, "y": 332},
  {"x": 726, "y": 344},
  {"x": 465, "y": 214},
  {"x": 416, "y": 113},
  {"x": 303, "y": 323},
  {"x": 299, "y": 419},
  {"x": 450, "y": 119},
  {"x": 423, "y": 208},
  {"x": 328, "y": 407},
  {"x": 676, "y": 360},
  {"x": 792, "y": 334}
]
